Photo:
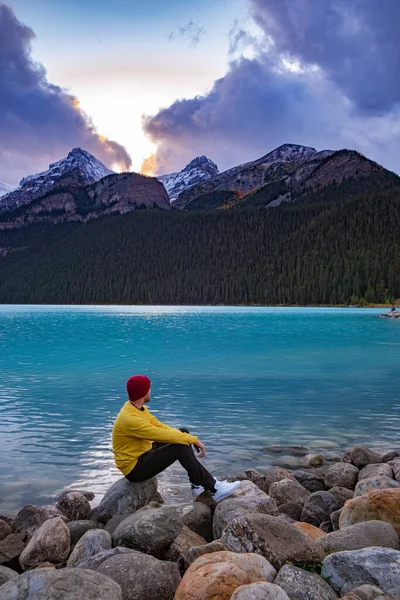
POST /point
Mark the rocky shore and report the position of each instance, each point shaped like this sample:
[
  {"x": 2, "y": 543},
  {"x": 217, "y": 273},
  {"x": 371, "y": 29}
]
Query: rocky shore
[
  {"x": 392, "y": 314},
  {"x": 328, "y": 530}
]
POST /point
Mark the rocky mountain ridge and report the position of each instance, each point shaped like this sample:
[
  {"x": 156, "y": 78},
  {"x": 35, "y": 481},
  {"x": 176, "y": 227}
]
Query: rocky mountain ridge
[
  {"x": 5, "y": 189},
  {"x": 199, "y": 169}
]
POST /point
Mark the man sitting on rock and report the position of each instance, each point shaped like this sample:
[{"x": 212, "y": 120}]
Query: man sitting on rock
[{"x": 134, "y": 431}]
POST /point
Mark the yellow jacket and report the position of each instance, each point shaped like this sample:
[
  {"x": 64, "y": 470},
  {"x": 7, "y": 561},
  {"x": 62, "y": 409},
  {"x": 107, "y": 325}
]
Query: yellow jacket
[{"x": 134, "y": 431}]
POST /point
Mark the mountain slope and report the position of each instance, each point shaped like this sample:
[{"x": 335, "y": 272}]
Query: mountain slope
[
  {"x": 5, "y": 188},
  {"x": 199, "y": 169},
  {"x": 83, "y": 167},
  {"x": 332, "y": 245}
]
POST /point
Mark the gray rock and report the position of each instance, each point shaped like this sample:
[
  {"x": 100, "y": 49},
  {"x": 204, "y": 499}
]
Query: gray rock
[
  {"x": 360, "y": 535},
  {"x": 113, "y": 523},
  {"x": 293, "y": 450},
  {"x": 96, "y": 560},
  {"x": 10, "y": 549},
  {"x": 6, "y": 574},
  {"x": 125, "y": 497},
  {"x": 50, "y": 543},
  {"x": 198, "y": 518},
  {"x": 91, "y": 543},
  {"x": 303, "y": 585},
  {"x": 378, "y": 566},
  {"x": 395, "y": 464},
  {"x": 313, "y": 460},
  {"x": 341, "y": 475},
  {"x": 367, "y": 592},
  {"x": 379, "y": 470},
  {"x": 287, "y": 490},
  {"x": 193, "y": 553},
  {"x": 259, "y": 591},
  {"x": 361, "y": 456},
  {"x": 310, "y": 481},
  {"x": 78, "y": 528},
  {"x": 264, "y": 481},
  {"x": 5, "y": 529},
  {"x": 326, "y": 526},
  {"x": 63, "y": 584},
  {"x": 273, "y": 538},
  {"x": 142, "y": 576},
  {"x": 373, "y": 483},
  {"x": 391, "y": 455},
  {"x": 186, "y": 539},
  {"x": 341, "y": 495},
  {"x": 87, "y": 494},
  {"x": 292, "y": 510},
  {"x": 335, "y": 516},
  {"x": 30, "y": 518},
  {"x": 231, "y": 508},
  {"x": 74, "y": 506},
  {"x": 149, "y": 530},
  {"x": 318, "y": 508}
]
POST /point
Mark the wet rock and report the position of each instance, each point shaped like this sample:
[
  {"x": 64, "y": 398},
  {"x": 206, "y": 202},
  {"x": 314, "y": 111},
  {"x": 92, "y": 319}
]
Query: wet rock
[
  {"x": 198, "y": 518},
  {"x": 78, "y": 528},
  {"x": 310, "y": 481},
  {"x": 293, "y": 450},
  {"x": 51, "y": 542},
  {"x": 259, "y": 591},
  {"x": 335, "y": 517},
  {"x": 292, "y": 510},
  {"x": 314, "y": 460},
  {"x": 303, "y": 585},
  {"x": 6, "y": 574},
  {"x": 91, "y": 543},
  {"x": 374, "y": 483},
  {"x": 341, "y": 495},
  {"x": 391, "y": 455},
  {"x": 288, "y": 490},
  {"x": 74, "y": 506},
  {"x": 378, "y": 566},
  {"x": 360, "y": 457},
  {"x": 367, "y": 592},
  {"x": 360, "y": 535},
  {"x": 264, "y": 481},
  {"x": 125, "y": 497},
  {"x": 10, "y": 549},
  {"x": 318, "y": 508},
  {"x": 54, "y": 584},
  {"x": 30, "y": 518},
  {"x": 379, "y": 470},
  {"x": 219, "y": 574},
  {"x": 231, "y": 508},
  {"x": 376, "y": 505},
  {"x": 311, "y": 531},
  {"x": 87, "y": 494},
  {"x": 195, "y": 552},
  {"x": 185, "y": 540},
  {"x": 5, "y": 529},
  {"x": 276, "y": 540},
  {"x": 341, "y": 475},
  {"x": 149, "y": 530}
]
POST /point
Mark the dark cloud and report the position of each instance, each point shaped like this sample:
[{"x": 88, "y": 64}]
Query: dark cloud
[
  {"x": 323, "y": 73},
  {"x": 39, "y": 121},
  {"x": 192, "y": 31}
]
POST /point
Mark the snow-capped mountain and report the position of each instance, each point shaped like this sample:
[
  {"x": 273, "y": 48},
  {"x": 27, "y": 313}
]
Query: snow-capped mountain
[
  {"x": 199, "y": 169},
  {"x": 82, "y": 167},
  {"x": 5, "y": 188}
]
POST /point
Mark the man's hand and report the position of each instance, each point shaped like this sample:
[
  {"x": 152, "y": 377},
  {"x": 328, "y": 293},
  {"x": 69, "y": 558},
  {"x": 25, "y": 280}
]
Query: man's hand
[{"x": 200, "y": 449}]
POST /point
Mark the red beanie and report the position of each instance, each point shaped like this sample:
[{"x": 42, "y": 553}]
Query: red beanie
[{"x": 137, "y": 387}]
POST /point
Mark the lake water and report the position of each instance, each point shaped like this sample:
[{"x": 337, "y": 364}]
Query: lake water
[{"x": 240, "y": 378}]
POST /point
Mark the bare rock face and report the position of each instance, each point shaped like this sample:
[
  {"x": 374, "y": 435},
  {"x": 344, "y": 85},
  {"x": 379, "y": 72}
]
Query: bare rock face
[
  {"x": 264, "y": 481},
  {"x": 125, "y": 497},
  {"x": 196, "y": 551},
  {"x": 318, "y": 508},
  {"x": 367, "y": 592},
  {"x": 360, "y": 535},
  {"x": 56, "y": 584},
  {"x": 185, "y": 540},
  {"x": 361, "y": 456},
  {"x": 78, "y": 528},
  {"x": 51, "y": 542},
  {"x": 30, "y": 518},
  {"x": 259, "y": 591},
  {"x": 273, "y": 538},
  {"x": 311, "y": 481},
  {"x": 198, "y": 518},
  {"x": 374, "y": 483},
  {"x": 287, "y": 490},
  {"x": 379, "y": 470},
  {"x": 10, "y": 549},
  {"x": 219, "y": 574},
  {"x": 86, "y": 493},
  {"x": 301, "y": 584},
  {"x": 314, "y": 533},
  {"x": 91, "y": 543},
  {"x": 74, "y": 506},
  {"x": 231, "y": 508},
  {"x": 341, "y": 495},
  {"x": 5, "y": 529},
  {"x": 375, "y": 505},
  {"x": 6, "y": 574},
  {"x": 341, "y": 475}
]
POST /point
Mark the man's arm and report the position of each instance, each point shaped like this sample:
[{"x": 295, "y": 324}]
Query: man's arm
[
  {"x": 201, "y": 449},
  {"x": 169, "y": 435},
  {"x": 154, "y": 421}
]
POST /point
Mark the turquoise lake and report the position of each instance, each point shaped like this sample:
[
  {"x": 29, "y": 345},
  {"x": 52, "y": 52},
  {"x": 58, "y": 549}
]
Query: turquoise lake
[{"x": 240, "y": 378}]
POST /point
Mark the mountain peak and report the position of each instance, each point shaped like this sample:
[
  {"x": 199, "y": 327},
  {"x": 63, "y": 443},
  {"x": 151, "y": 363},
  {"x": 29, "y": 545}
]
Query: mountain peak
[
  {"x": 199, "y": 169},
  {"x": 199, "y": 161}
]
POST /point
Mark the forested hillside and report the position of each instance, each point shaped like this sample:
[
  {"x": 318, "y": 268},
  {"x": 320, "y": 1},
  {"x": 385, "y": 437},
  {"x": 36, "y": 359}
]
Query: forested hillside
[{"x": 338, "y": 245}]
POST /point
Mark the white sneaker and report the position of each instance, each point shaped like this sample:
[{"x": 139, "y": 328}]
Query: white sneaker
[
  {"x": 197, "y": 490},
  {"x": 224, "y": 489}
]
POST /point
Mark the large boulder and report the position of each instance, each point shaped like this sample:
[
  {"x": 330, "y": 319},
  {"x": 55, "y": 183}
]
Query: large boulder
[
  {"x": 314, "y": 533},
  {"x": 395, "y": 464},
  {"x": 341, "y": 495},
  {"x": 378, "y": 566},
  {"x": 259, "y": 591},
  {"x": 125, "y": 497},
  {"x": 86, "y": 493},
  {"x": 231, "y": 508},
  {"x": 374, "y": 483},
  {"x": 378, "y": 470},
  {"x": 196, "y": 551},
  {"x": 291, "y": 510},
  {"x": 376, "y": 505},
  {"x": 198, "y": 518},
  {"x": 341, "y": 475},
  {"x": 186, "y": 539},
  {"x": 218, "y": 575},
  {"x": 10, "y": 549},
  {"x": 288, "y": 490},
  {"x": 264, "y": 481},
  {"x": 6, "y": 574},
  {"x": 30, "y": 518},
  {"x": 360, "y": 535},
  {"x": 273, "y": 538},
  {"x": 367, "y": 592},
  {"x": 50, "y": 543},
  {"x": 318, "y": 508},
  {"x": 309, "y": 480},
  {"x": 54, "y": 584},
  {"x": 74, "y": 506},
  {"x": 5, "y": 529},
  {"x": 303, "y": 585},
  {"x": 140, "y": 576},
  {"x": 91, "y": 543},
  {"x": 78, "y": 528},
  {"x": 94, "y": 562},
  {"x": 149, "y": 530},
  {"x": 361, "y": 456}
]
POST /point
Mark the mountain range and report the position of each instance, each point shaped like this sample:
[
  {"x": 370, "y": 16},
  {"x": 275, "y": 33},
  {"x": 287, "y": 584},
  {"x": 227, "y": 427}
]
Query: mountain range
[{"x": 198, "y": 170}]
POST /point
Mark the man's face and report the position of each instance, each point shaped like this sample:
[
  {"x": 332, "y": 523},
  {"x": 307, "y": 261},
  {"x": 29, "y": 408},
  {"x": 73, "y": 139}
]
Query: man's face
[{"x": 147, "y": 397}]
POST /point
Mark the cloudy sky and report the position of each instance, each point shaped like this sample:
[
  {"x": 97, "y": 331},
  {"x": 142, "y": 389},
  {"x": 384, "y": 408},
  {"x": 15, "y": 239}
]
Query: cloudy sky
[{"x": 154, "y": 83}]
